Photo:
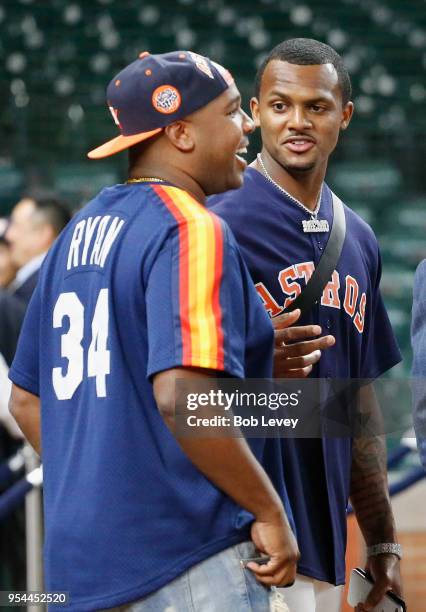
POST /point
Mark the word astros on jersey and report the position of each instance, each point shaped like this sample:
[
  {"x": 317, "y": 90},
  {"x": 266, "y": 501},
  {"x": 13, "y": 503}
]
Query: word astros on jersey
[
  {"x": 92, "y": 241},
  {"x": 354, "y": 301}
]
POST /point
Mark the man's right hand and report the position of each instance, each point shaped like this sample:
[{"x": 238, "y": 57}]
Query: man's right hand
[
  {"x": 294, "y": 353},
  {"x": 273, "y": 536}
]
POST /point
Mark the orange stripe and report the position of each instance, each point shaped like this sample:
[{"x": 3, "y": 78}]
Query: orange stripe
[
  {"x": 196, "y": 272},
  {"x": 218, "y": 270},
  {"x": 183, "y": 272},
  {"x": 200, "y": 276},
  {"x": 204, "y": 322},
  {"x": 201, "y": 258}
]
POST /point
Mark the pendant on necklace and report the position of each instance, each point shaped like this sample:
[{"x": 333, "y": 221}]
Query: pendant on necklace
[{"x": 315, "y": 225}]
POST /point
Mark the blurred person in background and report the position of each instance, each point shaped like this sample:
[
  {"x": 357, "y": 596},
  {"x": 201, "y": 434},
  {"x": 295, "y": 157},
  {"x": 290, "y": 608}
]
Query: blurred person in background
[
  {"x": 12, "y": 309},
  {"x": 418, "y": 341},
  {"x": 7, "y": 267},
  {"x": 6, "y": 418},
  {"x": 12, "y": 529},
  {"x": 35, "y": 222},
  {"x": 34, "y": 225}
]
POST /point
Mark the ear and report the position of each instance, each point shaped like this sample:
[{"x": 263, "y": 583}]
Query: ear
[
  {"x": 254, "y": 107},
  {"x": 347, "y": 113},
  {"x": 180, "y": 135},
  {"x": 47, "y": 235}
]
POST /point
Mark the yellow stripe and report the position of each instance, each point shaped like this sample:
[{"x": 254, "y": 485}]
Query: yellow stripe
[
  {"x": 210, "y": 282},
  {"x": 201, "y": 276},
  {"x": 200, "y": 311}
]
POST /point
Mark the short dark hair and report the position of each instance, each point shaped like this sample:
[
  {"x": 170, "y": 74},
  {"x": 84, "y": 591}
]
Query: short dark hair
[
  {"x": 51, "y": 209},
  {"x": 307, "y": 52}
]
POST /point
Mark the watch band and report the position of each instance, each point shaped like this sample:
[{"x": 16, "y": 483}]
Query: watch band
[{"x": 387, "y": 547}]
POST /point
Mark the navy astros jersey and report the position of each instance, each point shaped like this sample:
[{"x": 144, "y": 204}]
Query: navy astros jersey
[
  {"x": 143, "y": 279},
  {"x": 281, "y": 258}
]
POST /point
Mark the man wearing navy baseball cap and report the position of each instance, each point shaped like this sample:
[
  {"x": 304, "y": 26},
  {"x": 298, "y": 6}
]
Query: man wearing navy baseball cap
[{"x": 145, "y": 287}]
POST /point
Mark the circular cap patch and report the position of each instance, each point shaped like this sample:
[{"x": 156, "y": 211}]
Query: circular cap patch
[{"x": 166, "y": 99}]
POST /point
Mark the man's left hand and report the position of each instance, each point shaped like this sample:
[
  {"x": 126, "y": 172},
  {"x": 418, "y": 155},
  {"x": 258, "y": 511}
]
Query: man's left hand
[{"x": 385, "y": 572}]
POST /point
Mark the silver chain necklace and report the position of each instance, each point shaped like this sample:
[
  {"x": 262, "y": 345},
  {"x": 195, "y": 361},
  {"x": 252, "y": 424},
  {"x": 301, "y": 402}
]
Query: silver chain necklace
[{"x": 314, "y": 224}]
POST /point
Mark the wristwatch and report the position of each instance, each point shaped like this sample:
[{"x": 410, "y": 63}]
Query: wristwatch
[{"x": 385, "y": 548}]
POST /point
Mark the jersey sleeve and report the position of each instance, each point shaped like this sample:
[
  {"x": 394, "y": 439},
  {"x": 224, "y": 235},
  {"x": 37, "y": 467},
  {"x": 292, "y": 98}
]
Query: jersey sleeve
[
  {"x": 195, "y": 300},
  {"x": 24, "y": 370},
  {"x": 380, "y": 351}
]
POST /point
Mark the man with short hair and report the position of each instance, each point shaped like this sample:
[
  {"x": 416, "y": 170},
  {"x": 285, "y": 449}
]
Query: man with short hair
[
  {"x": 281, "y": 218},
  {"x": 146, "y": 287},
  {"x": 34, "y": 225}
]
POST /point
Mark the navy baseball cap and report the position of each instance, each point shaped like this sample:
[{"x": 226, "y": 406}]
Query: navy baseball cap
[{"x": 156, "y": 90}]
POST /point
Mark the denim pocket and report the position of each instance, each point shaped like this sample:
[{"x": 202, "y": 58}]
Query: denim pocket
[{"x": 247, "y": 550}]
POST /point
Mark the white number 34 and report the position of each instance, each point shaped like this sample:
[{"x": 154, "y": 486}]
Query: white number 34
[{"x": 98, "y": 357}]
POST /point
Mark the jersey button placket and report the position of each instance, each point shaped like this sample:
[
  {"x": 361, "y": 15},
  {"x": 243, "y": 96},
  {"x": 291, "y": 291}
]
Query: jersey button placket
[{"x": 317, "y": 248}]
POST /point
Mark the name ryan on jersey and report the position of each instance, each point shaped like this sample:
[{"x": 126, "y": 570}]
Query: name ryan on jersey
[{"x": 92, "y": 240}]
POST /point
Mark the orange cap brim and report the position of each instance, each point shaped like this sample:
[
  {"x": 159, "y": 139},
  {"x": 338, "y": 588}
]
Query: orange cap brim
[{"x": 120, "y": 143}]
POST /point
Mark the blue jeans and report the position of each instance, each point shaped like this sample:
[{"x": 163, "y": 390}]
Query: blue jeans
[{"x": 218, "y": 584}]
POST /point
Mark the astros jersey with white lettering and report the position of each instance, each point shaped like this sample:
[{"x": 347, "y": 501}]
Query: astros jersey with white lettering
[
  {"x": 281, "y": 257},
  {"x": 143, "y": 279}
]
